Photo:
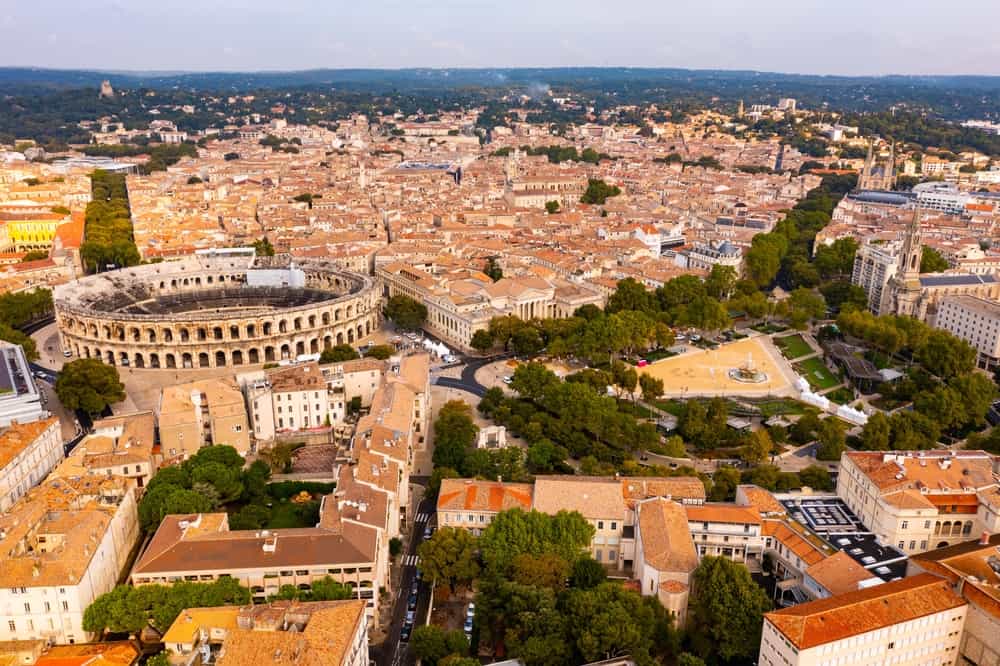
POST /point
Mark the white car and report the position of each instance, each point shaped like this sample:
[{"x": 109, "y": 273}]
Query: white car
[{"x": 508, "y": 380}]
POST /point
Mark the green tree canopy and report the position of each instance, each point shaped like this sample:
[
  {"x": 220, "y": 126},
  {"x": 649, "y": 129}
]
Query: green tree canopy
[
  {"x": 727, "y": 613},
  {"x": 90, "y": 385},
  {"x": 449, "y": 557}
]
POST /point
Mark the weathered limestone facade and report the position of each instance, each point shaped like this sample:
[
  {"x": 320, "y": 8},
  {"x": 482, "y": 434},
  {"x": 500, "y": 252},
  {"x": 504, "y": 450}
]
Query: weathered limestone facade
[{"x": 215, "y": 310}]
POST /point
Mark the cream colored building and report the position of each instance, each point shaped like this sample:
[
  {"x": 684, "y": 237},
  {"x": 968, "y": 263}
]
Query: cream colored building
[
  {"x": 461, "y": 302},
  {"x": 121, "y": 445},
  {"x": 727, "y": 530},
  {"x": 665, "y": 555},
  {"x": 63, "y": 545},
  {"x": 975, "y": 320},
  {"x": 28, "y": 452},
  {"x": 327, "y": 632},
  {"x": 202, "y": 413},
  {"x": 915, "y": 621},
  {"x": 918, "y": 501},
  {"x": 472, "y": 504},
  {"x": 201, "y": 547}
]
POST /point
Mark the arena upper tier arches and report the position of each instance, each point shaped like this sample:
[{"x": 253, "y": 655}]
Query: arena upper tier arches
[{"x": 215, "y": 309}]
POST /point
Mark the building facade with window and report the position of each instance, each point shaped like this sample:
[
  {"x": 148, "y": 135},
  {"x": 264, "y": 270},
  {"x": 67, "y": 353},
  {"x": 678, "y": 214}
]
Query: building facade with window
[
  {"x": 915, "y": 621},
  {"x": 61, "y": 546},
  {"x": 920, "y": 500},
  {"x": 28, "y": 452},
  {"x": 727, "y": 530}
]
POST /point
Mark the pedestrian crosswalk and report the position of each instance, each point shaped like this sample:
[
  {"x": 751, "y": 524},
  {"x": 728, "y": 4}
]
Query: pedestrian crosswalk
[
  {"x": 411, "y": 560},
  {"x": 422, "y": 517}
]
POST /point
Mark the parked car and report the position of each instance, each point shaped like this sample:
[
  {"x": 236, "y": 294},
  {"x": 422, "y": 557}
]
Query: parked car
[
  {"x": 471, "y": 610},
  {"x": 67, "y": 353},
  {"x": 427, "y": 532},
  {"x": 508, "y": 380},
  {"x": 468, "y": 626},
  {"x": 411, "y": 602},
  {"x": 642, "y": 363},
  {"x": 410, "y": 616},
  {"x": 404, "y": 633}
]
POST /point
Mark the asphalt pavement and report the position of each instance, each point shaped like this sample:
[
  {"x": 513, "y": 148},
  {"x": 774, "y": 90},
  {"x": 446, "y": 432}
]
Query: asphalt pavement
[
  {"x": 467, "y": 381},
  {"x": 393, "y": 652}
]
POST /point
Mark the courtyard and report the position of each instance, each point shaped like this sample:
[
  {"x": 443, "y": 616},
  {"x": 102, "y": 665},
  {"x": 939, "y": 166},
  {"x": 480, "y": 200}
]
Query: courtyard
[{"x": 700, "y": 372}]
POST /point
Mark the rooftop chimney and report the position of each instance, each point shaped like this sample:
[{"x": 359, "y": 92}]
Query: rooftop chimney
[{"x": 984, "y": 540}]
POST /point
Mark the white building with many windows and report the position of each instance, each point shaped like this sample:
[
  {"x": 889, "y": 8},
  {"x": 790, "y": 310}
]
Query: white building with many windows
[
  {"x": 975, "y": 320},
  {"x": 63, "y": 545},
  {"x": 915, "y": 621},
  {"x": 28, "y": 452}
]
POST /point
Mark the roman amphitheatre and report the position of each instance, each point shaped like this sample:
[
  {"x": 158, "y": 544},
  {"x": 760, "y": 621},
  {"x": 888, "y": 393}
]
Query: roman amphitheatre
[
  {"x": 214, "y": 309},
  {"x": 749, "y": 367}
]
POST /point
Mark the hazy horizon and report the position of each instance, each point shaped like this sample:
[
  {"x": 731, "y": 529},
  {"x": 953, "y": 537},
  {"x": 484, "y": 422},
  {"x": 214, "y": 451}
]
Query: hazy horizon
[{"x": 853, "y": 38}]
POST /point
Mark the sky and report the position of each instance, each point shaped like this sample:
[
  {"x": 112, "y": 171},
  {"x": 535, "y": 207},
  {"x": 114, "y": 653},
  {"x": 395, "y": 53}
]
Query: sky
[{"x": 850, "y": 37}]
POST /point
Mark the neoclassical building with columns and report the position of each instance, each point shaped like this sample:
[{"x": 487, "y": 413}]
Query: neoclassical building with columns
[{"x": 216, "y": 308}]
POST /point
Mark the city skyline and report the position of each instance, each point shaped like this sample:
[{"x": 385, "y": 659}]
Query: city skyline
[{"x": 804, "y": 37}]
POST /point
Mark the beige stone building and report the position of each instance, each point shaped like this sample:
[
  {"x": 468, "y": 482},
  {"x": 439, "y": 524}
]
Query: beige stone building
[
  {"x": 727, "y": 530},
  {"x": 201, "y": 547},
  {"x": 909, "y": 622},
  {"x": 472, "y": 504},
  {"x": 461, "y": 302},
  {"x": 121, "y": 445},
  {"x": 918, "y": 501},
  {"x": 202, "y": 413},
  {"x": 321, "y": 632},
  {"x": 62, "y": 545},
  {"x": 665, "y": 554},
  {"x": 28, "y": 452}
]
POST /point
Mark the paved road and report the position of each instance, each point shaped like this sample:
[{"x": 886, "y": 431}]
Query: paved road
[
  {"x": 392, "y": 652},
  {"x": 468, "y": 382}
]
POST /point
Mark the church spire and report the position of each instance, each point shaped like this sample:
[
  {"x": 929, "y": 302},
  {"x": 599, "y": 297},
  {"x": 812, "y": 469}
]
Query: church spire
[
  {"x": 913, "y": 250},
  {"x": 864, "y": 182}
]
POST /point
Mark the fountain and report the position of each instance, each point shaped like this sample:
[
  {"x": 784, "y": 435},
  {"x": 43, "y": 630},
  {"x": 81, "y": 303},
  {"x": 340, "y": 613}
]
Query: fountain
[{"x": 747, "y": 373}]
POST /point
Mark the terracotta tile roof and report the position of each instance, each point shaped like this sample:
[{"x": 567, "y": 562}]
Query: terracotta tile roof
[
  {"x": 846, "y": 615},
  {"x": 19, "y": 436},
  {"x": 119, "y": 653},
  {"x": 666, "y": 540},
  {"x": 723, "y": 513},
  {"x": 760, "y": 498},
  {"x": 675, "y": 487},
  {"x": 933, "y": 471},
  {"x": 475, "y": 495},
  {"x": 807, "y": 552},
  {"x": 839, "y": 573},
  {"x": 594, "y": 497}
]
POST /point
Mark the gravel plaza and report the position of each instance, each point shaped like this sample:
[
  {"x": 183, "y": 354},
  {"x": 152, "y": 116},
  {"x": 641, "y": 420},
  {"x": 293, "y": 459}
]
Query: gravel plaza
[{"x": 705, "y": 372}]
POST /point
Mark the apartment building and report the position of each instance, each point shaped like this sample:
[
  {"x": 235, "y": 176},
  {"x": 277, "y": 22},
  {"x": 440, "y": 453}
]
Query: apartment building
[
  {"x": 727, "y": 530},
  {"x": 665, "y": 555},
  {"x": 875, "y": 264},
  {"x": 28, "y": 452},
  {"x": 909, "y": 622},
  {"x": 62, "y": 545},
  {"x": 975, "y": 320},
  {"x": 292, "y": 399},
  {"x": 918, "y": 501},
  {"x": 20, "y": 399},
  {"x": 326, "y": 632},
  {"x": 202, "y": 413},
  {"x": 472, "y": 504},
  {"x": 121, "y": 445},
  {"x": 201, "y": 547}
]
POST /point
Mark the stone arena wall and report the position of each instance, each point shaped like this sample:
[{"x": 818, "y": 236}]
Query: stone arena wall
[{"x": 105, "y": 316}]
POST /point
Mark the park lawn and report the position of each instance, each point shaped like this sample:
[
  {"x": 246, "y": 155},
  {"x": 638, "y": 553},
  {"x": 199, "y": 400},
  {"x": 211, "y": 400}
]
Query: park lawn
[
  {"x": 780, "y": 407},
  {"x": 817, "y": 374},
  {"x": 673, "y": 407},
  {"x": 793, "y": 347}
]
